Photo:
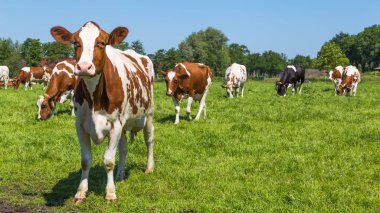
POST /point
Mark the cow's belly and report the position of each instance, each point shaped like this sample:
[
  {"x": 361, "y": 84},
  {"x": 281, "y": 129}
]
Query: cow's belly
[{"x": 135, "y": 124}]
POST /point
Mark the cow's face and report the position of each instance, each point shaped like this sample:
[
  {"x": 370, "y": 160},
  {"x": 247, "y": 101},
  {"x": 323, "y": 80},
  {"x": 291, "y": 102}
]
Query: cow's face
[
  {"x": 280, "y": 88},
  {"x": 174, "y": 80},
  {"x": 45, "y": 108},
  {"x": 90, "y": 46}
]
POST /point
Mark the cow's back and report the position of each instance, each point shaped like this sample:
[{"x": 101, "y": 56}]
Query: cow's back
[{"x": 199, "y": 74}]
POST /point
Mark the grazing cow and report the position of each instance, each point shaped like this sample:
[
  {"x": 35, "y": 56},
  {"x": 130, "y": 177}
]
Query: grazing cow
[
  {"x": 292, "y": 75},
  {"x": 191, "y": 81},
  {"x": 4, "y": 75},
  {"x": 27, "y": 75},
  {"x": 235, "y": 77},
  {"x": 60, "y": 88},
  {"x": 351, "y": 78},
  {"x": 114, "y": 95},
  {"x": 336, "y": 76}
]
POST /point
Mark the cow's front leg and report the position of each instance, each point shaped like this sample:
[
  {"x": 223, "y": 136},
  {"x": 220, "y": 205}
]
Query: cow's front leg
[
  {"x": 148, "y": 137},
  {"x": 294, "y": 88},
  {"x": 242, "y": 89},
  {"x": 6, "y": 82},
  {"x": 188, "y": 108},
  {"x": 85, "y": 148},
  {"x": 123, "y": 147},
  {"x": 109, "y": 159},
  {"x": 26, "y": 85},
  {"x": 299, "y": 92},
  {"x": 176, "y": 108}
]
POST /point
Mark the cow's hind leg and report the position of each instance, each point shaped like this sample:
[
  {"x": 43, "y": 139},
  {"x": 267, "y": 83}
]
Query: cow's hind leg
[
  {"x": 85, "y": 148},
  {"x": 188, "y": 108},
  {"x": 201, "y": 105},
  {"x": 242, "y": 89},
  {"x": 109, "y": 159},
  {"x": 148, "y": 136},
  {"x": 204, "y": 111},
  {"x": 300, "y": 91},
  {"x": 123, "y": 147},
  {"x": 6, "y": 82}
]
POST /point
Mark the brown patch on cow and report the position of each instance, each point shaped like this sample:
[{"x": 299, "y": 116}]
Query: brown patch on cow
[
  {"x": 336, "y": 74},
  {"x": 345, "y": 84}
]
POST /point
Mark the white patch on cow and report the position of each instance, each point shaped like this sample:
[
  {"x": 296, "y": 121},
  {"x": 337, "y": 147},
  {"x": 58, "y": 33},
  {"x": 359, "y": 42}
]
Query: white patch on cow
[
  {"x": 182, "y": 65},
  {"x": 4, "y": 75},
  {"x": 67, "y": 64},
  {"x": 26, "y": 69},
  {"x": 292, "y": 67},
  {"x": 340, "y": 69},
  {"x": 88, "y": 35},
  {"x": 171, "y": 75},
  {"x": 39, "y": 102}
]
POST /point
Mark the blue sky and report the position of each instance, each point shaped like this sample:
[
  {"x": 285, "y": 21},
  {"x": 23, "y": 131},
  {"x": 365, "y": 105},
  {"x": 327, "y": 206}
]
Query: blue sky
[{"x": 291, "y": 27}]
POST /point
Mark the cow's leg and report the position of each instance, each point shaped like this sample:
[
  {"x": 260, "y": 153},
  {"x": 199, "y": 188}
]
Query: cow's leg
[
  {"x": 148, "y": 137},
  {"x": 204, "y": 111},
  {"x": 26, "y": 85},
  {"x": 294, "y": 88},
  {"x": 299, "y": 92},
  {"x": 176, "y": 107},
  {"x": 188, "y": 108},
  {"x": 123, "y": 148},
  {"x": 109, "y": 159},
  {"x": 242, "y": 89},
  {"x": 85, "y": 149},
  {"x": 6, "y": 82},
  {"x": 355, "y": 88},
  {"x": 202, "y": 104}
]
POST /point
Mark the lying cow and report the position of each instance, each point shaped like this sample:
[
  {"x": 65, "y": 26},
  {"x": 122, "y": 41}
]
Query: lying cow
[
  {"x": 191, "y": 81},
  {"x": 60, "y": 88},
  {"x": 336, "y": 76},
  {"x": 235, "y": 77},
  {"x": 351, "y": 78},
  {"x": 29, "y": 75},
  {"x": 114, "y": 95},
  {"x": 292, "y": 75},
  {"x": 4, "y": 75}
]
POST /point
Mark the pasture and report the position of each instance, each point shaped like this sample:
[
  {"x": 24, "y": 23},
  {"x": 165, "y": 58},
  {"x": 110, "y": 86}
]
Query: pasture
[{"x": 309, "y": 152}]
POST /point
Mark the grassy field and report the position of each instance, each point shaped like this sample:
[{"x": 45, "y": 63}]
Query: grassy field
[{"x": 310, "y": 152}]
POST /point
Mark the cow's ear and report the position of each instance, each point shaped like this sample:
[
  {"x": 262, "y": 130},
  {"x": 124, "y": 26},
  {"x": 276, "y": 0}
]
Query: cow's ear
[
  {"x": 164, "y": 73},
  {"x": 61, "y": 35},
  {"x": 118, "y": 35}
]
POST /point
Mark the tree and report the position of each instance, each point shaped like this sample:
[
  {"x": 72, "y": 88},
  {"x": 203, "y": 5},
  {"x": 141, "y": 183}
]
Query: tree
[
  {"x": 138, "y": 47},
  {"x": 238, "y": 53},
  {"x": 10, "y": 56},
  {"x": 329, "y": 57},
  {"x": 208, "y": 47},
  {"x": 32, "y": 51},
  {"x": 123, "y": 46},
  {"x": 368, "y": 47},
  {"x": 273, "y": 62},
  {"x": 306, "y": 61},
  {"x": 55, "y": 51}
]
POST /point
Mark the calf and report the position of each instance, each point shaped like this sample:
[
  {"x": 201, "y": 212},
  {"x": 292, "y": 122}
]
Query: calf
[
  {"x": 191, "y": 81},
  {"x": 114, "y": 95},
  {"x": 60, "y": 88},
  {"x": 292, "y": 75},
  {"x": 336, "y": 77},
  {"x": 27, "y": 75},
  {"x": 351, "y": 78},
  {"x": 235, "y": 77},
  {"x": 4, "y": 75}
]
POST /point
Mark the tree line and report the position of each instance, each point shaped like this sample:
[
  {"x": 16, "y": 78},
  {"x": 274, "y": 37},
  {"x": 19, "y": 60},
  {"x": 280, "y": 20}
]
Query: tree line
[{"x": 210, "y": 46}]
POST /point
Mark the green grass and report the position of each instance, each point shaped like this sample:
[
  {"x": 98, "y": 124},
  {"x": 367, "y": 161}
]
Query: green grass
[{"x": 309, "y": 152}]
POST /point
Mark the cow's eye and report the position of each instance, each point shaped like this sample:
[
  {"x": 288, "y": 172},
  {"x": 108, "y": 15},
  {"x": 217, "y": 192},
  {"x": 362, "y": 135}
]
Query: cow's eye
[
  {"x": 76, "y": 44},
  {"x": 175, "y": 81},
  {"x": 100, "y": 44}
]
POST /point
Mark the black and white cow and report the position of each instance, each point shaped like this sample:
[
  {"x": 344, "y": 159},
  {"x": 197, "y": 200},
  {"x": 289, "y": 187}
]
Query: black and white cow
[{"x": 292, "y": 75}]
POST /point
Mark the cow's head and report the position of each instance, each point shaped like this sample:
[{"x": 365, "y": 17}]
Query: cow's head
[
  {"x": 90, "y": 43},
  {"x": 231, "y": 82},
  {"x": 346, "y": 85},
  {"x": 45, "y": 106},
  {"x": 280, "y": 88},
  {"x": 174, "y": 80}
]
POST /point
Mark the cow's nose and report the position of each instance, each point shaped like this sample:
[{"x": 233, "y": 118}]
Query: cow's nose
[
  {"x": 168, "y": 93},
  {"x": 84, "y": 66}
]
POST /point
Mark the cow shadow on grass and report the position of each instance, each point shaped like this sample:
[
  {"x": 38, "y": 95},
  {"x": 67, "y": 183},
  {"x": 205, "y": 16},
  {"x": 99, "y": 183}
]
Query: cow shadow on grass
[
  {"x": 171, "y": 119},
  {"x": 66, "y": 188},
  {"x": 62, "y": 112}
]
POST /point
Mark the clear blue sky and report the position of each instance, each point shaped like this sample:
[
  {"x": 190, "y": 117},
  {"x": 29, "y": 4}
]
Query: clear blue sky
[{"x": 288, "y": 26}]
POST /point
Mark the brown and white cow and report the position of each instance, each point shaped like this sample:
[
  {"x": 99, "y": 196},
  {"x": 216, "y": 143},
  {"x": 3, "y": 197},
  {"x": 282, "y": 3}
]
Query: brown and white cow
[
  {"x": 191, "y": 81},
  {"x": 27, "y": 75},
  {"x": 114, "y": 95},
  {"x": 235, "y": 77},
  {"x": 60, "y": 88},
  {"x": 4, "y": 75},
  {"x": 336, "y": 76},
  {"x": 351, "y": 78}
]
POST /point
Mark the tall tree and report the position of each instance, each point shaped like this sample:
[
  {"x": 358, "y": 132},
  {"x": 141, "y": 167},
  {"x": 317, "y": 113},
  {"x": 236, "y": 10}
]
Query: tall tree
[
  {"x": 138, "y": 47},
  {"x": 274, "y": 62},
  {"x": 306, "y": 61},
  {"x": 32, "y": 51},
  {"x": 238, "y": 53},
  {"x": 329, "y": 57},
  {"x": 207, "y": 46},
  {"x": 55, "y": 51},
  {"x": 10, "y": 56},
  {"x": 123, "y": 46},
  {"x": 368, "y": 46}
]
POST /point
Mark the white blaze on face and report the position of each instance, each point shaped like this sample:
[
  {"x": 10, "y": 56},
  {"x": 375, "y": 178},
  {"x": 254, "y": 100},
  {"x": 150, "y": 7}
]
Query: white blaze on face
[
  {"x": 171, "y": 75},
  {"x": 88, "y": 35}
]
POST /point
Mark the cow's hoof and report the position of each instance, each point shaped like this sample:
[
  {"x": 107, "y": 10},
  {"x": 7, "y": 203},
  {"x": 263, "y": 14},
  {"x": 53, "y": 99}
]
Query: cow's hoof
[
  {"x": 110, "y": 197},
  {"x": 120, "y": 177},
  {"x": 148, "y": 171},
  {"x": 177, "y": 122},
  {"x": 79, "y": 200}
]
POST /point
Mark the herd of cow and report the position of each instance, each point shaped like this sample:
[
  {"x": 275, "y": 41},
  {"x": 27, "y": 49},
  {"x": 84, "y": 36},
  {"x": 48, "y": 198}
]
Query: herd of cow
[{"x": 112, "y": 93}]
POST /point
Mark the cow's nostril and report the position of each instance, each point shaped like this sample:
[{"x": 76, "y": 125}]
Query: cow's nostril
[
  {"x": 89, "y": 67},
  {"x": 78, "y": 67}
]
